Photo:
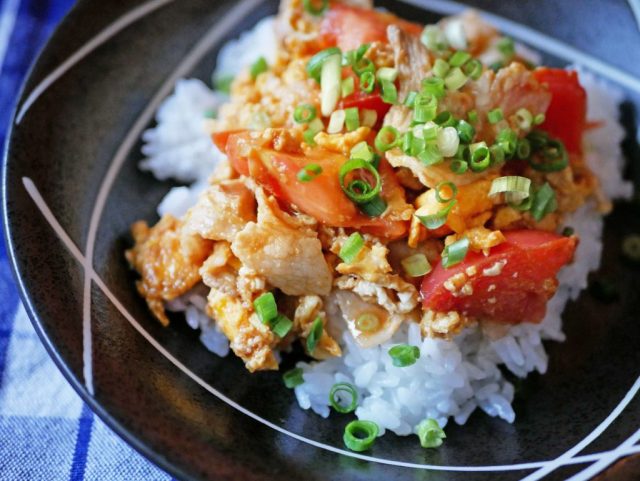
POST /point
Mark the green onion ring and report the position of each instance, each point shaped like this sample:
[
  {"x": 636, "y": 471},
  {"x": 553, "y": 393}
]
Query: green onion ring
[
  {"x": 360, "y": 435},
  {"x": 357, "y": 164},
  {"x": 440, "y": 186},
  {"x": 343, "y": 387}
]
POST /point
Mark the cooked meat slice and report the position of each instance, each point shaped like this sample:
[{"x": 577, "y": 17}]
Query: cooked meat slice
[
  {"x": 469, "y": 32},
  {"x": 284, "y": 250},
  {"x": 167, "y": 259},
  {"x": 222, "y": 211},
  {"x": 411, "y": 59}
]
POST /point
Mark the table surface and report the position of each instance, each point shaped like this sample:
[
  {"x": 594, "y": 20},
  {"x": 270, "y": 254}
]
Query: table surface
[{"x": 46, "y": 431}]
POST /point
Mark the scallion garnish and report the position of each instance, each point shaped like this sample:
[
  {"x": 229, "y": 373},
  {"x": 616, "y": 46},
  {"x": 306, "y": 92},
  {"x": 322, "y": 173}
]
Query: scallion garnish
[
  {"x": 448, "y": 141},
  {"x": 433, "y": 86},
  {"x": 293, "y": 378},
  {"x": 315, "y": 126},
  {"x": 367, "y": 322},
  {"x": 387, "y": 138},
  {"x": 336, "y": 121},
  {"x": 363, "y": 65},
  {"x": 367, "y": 82},
  {"x": 508, "y": 140},
  {"x": 441, "y": 195},
  {"x": 425, "y": 108},
  {"x": 459, "y": 166},
  {"x": 506, "y": 47},
  {"x": 459, "y": 58},
  {"x": 497, "y": 154},
  {"x": 416, "y": 265},
  {"x": 369, "y": 117},
  {"x": 374, "y": 208},
  {"x": 258, "y": 67},
  {"x": 455, "y": 253},
  {"x": 523, "y": 151},
  {"x": 305, "y": 113},
  {"x": 437, "y": 220},
  {"x": 445, "y": 119},
  {"x": 223, "y": 83},
  {"x": 389, "y": 92},
  {"x": 352, "y": 118},
  {"x": 430, "y": 433},
  {"x": 281, "y": 325},
  {"x": 266, "y": 307},
  {"x": 359, "y": 191},
  {"x": 433, "y": 38},
  {"x": 330, "y": 84},
  {"x": 404, "y": 355},
  {"x": 362, "y": 151},
  {"x": 494, "y": 116},
  {"x": 337, "y": 392},
  {"x": 440, "y": 68},
  {"x": 555, "y": 157},
  {"x": 538, "y": 119},
  {"x": 515, "y": 188},
  {"x": 455, "y": 79},
  {"x": 314, "y": 66},
  {"x": 431, "y": 155},
  {"x": 411, "y": 99},
  {"x": 314, "y": 335},
  {"x": 631, "y": 247},
  {"x": 480, "y": 157},
  {"x": 312, "y": 7},
  {"x": 568, "y": 231},
  {"x": 387, "y": 74},
  {"x": 309, "y": 172},
  {"x": 348, "y": 86},
  {"x": 473, "y": 69},
  {"x": 544, "y": 202},
  {"x": 465, "y": 130},
  {"x": 360, "y": 435},
  {"x": 524, "y": 119},
  {"x": 351, "y": 248}
]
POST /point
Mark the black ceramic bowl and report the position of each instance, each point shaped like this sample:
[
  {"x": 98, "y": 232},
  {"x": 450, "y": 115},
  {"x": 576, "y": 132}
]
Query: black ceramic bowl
[{"x": 71, "y": 190}]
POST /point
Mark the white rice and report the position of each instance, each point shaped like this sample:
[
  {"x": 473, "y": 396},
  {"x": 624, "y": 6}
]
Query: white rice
[{"x": 452, "y": 378}]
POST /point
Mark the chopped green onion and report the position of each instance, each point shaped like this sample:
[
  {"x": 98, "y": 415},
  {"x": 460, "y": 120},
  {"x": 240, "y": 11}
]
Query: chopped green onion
[
  {"x": 258, "y": 67},
  {"x": 459, "y": 58},
  {"x": 431, "y": 155},
  {"x": 362, "y": 151},
  {"x": 544, "y": 202},
  {"x": 494, "y": 116},
  {"x": 417, "y": 146},
  {"x": 508, "y": 140},
  {"x": 359, "y": 191},
  {"x": 497, "y": 154},
  {"x": 538, "y": 119},
  {"x": 524, "y": 149},
  {"x": 435, "y": 221},
  {"x": 367, "y": 322},
  {"x": 455, "y": 253},
  {"x": 334, "y": 397},
  {"x": 351, "y": 248},
  {"x": 473, "y": 69},
  {"x": 308, "y": 136},
  {"x": 305, "y": 113},
  {"x": 404, "y": 355},
  {"x": 465, "y": 131},
  {"x": 448, "y": 141},
  {"x": 223, "y": 83},
  {"x": 374, "y": 208},
  {"x": 568, "y": 231},
  {"x": 433, "y": 86},
  {"x": 314, "y": 66},
  {"x": 352, "y": 118},
  {"x": 631, "y": 247},
  {"x": 293, "y": 378},
  {"x": 538, "y": 139},
  {"x": 315, "y": 126},
  {"x": 455, "y": 79},
  {"x": 360, "y": 435},
  {"x": 416, "y": 265},
  {"x": 425, "y": 108},
  {"x": 495, "y": 66},
  {"x": 433, "y": 38},
  {"x": 330, "y": 84},
  {"x": 266, "y": 307},
  {"x": 430, "y": 433},
  {"x": 439, "y": 191},
  {"x": 387, "y": 74},
  {"x": 515, "y": 188},
  {"x": 348, "y": 86},
  {"x": 281, "y": 325},
  {"x": 440, "y": 68},
  {"x": 480, "y": 157},
  {"x": 472, "y": 116},
  {"x": 429, "y": 132},
  {"x": 311, "y": 6},
  {"x": 506, "y": 47},
  {"x": 367, "y": 82},
  {"x": 445, "y": 119},
  {"x": 210, "y": 114},
  {"x": 369, "y": 118},
  {"x": 363, "y": 65},
  {"x": 387, "y": 138},
  {"x": 309, "y": 172},
  {"x": 459, "y": 166},
  {"x": 389, "y": 92},
  {"x": 354, "y": 56},
  {"x": 524, "y": 119},
  {"x": 314, "y": 335},
  {"x": 555, "y": 156},
  {"x": 336, "y": 121},
  {"x": 411, "y": 99}
]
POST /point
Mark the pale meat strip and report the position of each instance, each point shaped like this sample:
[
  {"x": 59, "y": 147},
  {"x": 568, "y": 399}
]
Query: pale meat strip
[{"x": 284, "y": 250}]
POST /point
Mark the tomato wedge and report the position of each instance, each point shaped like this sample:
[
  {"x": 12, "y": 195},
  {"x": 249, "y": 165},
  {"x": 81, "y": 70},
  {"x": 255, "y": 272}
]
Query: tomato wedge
[
  {"x": 510, "y": 285},
  {"x": 349, "y": 27},
  {"x": 321, "y": 198},
  {"x": 566, "y": 117}
]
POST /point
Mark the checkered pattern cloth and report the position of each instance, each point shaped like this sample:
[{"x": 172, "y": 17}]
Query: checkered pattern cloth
[{"x": 46, "y": 432}]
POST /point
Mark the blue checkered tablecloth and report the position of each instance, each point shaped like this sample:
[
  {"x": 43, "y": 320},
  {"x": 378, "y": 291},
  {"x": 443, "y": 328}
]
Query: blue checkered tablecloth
[{"x": 46, "y": 432}]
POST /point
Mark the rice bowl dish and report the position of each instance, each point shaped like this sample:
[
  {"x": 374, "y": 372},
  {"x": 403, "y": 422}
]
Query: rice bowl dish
[{"x": 448, "y": 365}]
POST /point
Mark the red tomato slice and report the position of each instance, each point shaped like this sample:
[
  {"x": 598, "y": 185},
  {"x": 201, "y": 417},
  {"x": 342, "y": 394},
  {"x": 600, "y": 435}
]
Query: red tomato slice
[
  {"x": 349, "y": 27},
  {"x": 566, "y": 117},
  {"x": 510, "y": 285},
  {"x": 322, "y": 198}
]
